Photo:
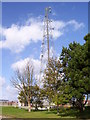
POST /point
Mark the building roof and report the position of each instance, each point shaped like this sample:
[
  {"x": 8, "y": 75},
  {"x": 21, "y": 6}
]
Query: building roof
[{"x": 2, "y": 100}]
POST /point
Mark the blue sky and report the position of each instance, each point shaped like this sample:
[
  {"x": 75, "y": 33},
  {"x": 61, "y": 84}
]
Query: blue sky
[{"x": 69, "y": 19}]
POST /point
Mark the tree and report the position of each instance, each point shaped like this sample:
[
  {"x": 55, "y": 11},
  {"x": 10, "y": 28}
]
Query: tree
[
  {"x": 36, "y": 95},
  {"x": 76, "y": 69},
  {"x": 22, "y": 98},
  {"x": 52, "y": 81},
  {"x": 23, "y": 81}
]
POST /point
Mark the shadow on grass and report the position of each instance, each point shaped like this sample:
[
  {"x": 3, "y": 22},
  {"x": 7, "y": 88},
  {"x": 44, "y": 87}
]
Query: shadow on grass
[
  {"x": 68, "y": 112},
  {"x": 85, "y": 113},
  {"x": 72, "y": 112}
]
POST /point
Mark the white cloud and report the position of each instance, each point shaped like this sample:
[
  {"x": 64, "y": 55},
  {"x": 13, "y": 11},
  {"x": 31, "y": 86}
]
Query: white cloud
[
  {"x": 12, "y": 92},
  {"x": 2, "y": 81},
  {"x": 75, "y": 24},
  {"x": 9, "y": 93},
  {"x": 17, "y": 37},
  {"x": 22, "y": 64}
]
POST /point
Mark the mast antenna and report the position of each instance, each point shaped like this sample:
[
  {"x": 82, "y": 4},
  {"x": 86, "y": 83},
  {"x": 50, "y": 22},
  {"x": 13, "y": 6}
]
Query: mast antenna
[{"x": 47, "y": 35}]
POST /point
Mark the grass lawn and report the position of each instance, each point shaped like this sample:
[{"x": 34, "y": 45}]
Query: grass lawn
[
  {"x": 64, "y": 113},
  {"x": 22, "y": 113}
]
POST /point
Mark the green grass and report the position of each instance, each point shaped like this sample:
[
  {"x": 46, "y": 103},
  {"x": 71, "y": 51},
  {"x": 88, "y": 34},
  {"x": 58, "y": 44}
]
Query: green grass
[
  {"x": 22, "y": 113},
  {"x": 63, "y": 113}
]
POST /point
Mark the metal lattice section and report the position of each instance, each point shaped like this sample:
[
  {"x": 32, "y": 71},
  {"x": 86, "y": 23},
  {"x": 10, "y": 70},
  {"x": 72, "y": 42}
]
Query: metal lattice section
[{"x": 47, "y": 41}]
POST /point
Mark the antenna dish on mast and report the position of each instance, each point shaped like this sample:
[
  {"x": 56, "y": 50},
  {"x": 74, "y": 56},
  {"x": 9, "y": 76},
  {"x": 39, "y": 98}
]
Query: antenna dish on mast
[{"x": 50, "y": 9}]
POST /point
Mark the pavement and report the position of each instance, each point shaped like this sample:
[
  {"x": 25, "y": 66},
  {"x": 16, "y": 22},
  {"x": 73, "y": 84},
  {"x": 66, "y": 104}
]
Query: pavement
[{"x": 0, "y": 117}]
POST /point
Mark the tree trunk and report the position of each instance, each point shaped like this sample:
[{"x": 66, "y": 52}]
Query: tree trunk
[
  {"x": 49, "y": 107},
  {"x": 36, "y": 107},
  {"x": 29, "y": 106},
  {"x": 86, "y": 100},
  {"x": 57, "y": 109},
  {"x": 79, "y": 105}
]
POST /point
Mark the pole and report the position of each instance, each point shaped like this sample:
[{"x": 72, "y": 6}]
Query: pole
[{"x": 47, "y": 27}]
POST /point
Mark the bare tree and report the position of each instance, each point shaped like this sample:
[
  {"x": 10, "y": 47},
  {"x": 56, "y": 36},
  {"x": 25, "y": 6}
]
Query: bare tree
[{"x": 23, "y": 80}]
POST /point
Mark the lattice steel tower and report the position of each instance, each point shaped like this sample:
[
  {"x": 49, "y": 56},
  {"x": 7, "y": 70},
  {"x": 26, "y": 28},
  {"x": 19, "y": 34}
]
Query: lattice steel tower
[
  {"x": 47, "y": 38},
  {"x": 47, "y": 34}
]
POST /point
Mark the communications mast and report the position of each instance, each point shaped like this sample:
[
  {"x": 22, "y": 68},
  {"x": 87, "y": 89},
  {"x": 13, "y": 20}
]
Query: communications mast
[{"x": 47, "y": 36}]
